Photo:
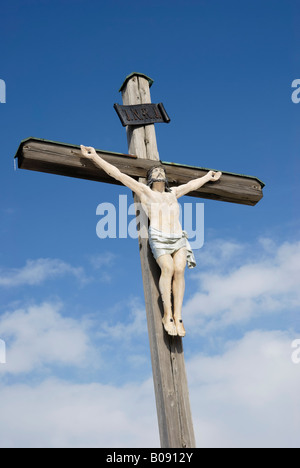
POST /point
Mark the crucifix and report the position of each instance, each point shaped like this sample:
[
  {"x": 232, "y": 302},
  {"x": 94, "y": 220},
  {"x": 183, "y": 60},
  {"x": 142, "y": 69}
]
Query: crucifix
[
  {"x": 167, "y": 240},
  {"x": 169, "y": 375}
]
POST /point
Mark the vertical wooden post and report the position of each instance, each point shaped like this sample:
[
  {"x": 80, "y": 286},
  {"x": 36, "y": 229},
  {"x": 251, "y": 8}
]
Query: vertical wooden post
[{"x": 169, "y": 375}]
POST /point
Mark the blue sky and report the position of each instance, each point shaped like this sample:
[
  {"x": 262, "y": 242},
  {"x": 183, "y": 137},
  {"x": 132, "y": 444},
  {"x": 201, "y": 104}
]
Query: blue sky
[{"x": 72, "y": 313}]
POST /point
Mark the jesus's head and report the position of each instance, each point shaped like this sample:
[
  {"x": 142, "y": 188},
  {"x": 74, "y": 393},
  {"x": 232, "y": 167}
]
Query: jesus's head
[{"x": 157, "y": 174}]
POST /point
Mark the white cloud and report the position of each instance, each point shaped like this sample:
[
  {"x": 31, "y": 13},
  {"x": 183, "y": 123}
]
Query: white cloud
[
  {"x": 58, "y": 414},
  {"x": 40, "y": 336},
  {"x": 231, "y": 292},
  {"x": 105, "y": 259},
  {"x": 135, "y": 325},
  {"x": 103, "y": 263},
  {"x": 248, "y": 396},
  {"x": 219, "y": 252},
  {"x": 37, "y": 271},
  {"x": 244, "y": 397}
]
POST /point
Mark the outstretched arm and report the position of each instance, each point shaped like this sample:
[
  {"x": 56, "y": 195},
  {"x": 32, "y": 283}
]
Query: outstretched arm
[
  {"x": 90, "y": 153},
  {"x": 195, "y": 184}
]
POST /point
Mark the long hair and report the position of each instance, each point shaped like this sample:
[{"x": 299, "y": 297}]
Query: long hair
[{"x": 150, "y": 180}]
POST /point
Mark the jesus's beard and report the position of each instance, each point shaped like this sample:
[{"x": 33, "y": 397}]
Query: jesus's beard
[{"x": 159, "y": 180}]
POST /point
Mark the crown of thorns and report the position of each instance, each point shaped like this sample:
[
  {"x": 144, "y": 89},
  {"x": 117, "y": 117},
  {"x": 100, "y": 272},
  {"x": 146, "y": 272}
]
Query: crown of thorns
[{"x": 150, "y": 180}]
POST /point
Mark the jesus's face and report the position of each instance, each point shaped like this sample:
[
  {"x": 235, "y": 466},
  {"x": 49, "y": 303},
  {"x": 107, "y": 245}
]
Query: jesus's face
[{"x": 158, "y": 174}]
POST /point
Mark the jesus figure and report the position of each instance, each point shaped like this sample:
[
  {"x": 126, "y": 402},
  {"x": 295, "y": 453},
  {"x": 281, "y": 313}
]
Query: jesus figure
[{"x": 168, "y": 242}]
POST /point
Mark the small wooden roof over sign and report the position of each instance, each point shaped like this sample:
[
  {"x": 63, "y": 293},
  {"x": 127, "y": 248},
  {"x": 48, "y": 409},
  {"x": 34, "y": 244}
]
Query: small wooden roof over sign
[{"x": 136, "y": 74}]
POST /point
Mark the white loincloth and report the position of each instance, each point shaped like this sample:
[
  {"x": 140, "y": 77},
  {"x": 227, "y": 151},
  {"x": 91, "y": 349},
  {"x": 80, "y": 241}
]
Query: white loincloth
[{"x": 162, "y": 244}]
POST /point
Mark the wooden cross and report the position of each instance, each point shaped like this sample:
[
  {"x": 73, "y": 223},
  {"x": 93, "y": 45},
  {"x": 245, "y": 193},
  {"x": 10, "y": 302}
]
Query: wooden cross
[{"x": 169, "y": 375}]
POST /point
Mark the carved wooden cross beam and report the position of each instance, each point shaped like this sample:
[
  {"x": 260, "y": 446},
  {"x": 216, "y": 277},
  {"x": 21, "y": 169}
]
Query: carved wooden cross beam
[{"x": 63, "y": 159}]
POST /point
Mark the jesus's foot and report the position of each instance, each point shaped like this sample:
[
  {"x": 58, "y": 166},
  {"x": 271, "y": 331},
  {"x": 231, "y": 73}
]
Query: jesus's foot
[
  {"x": 169, "y": 325},
  {"x": 180, "y": 327}
]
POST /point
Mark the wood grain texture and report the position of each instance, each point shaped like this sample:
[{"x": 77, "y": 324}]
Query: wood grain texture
[
  {"x": 62, "y": 159},
  {"x": 169, "y": 375}
]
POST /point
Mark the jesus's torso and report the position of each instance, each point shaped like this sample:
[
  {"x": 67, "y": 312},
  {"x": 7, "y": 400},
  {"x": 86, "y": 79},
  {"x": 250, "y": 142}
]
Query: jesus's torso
[{"x": 163, "y": 211}]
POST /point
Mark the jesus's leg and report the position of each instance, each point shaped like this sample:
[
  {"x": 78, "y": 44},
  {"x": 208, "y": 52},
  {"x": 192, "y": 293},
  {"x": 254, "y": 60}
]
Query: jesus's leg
[
  {"x": 179, "y": 259},
  {"x": 165, "y": 284}
]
